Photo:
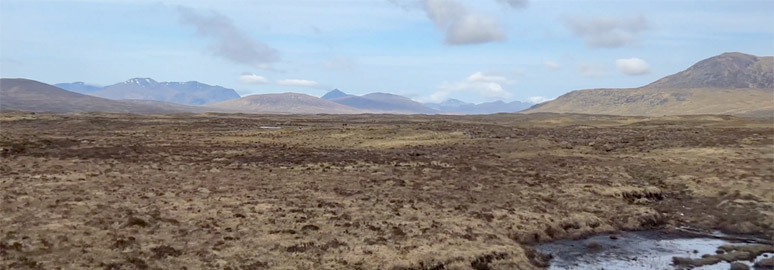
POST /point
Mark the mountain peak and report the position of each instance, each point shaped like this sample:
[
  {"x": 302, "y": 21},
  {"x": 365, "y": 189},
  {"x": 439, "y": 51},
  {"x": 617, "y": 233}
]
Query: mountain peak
[
  {"x": 333, "y": 94},
  {"x": 146, "y": 82},
  {"x": 727, "y": 70}
]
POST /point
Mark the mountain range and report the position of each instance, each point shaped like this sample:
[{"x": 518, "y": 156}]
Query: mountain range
[
  {"x": 145, "y": 95},
  {"x": 379, "y": 103},
  {"x": 730, "y": 83},
  {"x": 29, "y": 95},
  {"x": 186, "y": 93}
]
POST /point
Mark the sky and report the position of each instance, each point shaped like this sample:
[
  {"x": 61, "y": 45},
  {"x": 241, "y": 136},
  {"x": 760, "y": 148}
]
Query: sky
[{"x": 428, "y": 50}]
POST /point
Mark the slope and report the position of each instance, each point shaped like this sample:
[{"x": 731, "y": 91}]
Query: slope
[{"x": 730, "y": 83}]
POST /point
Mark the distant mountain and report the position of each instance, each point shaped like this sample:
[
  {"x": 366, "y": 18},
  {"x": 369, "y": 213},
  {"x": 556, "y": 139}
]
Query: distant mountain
[
  {"x": 29, "y": 95},
  {"x": 730, "y": 83},
  {"x": 449, "y": 105},
  {"x": 385, "y": 103},
  {"x": 334, "y": 94},
  {"x": 188, "y": 93},
  {"x": 454, "y": 106},
  {"x": 285, "y": 103},
  {"x": 79, "y": 87}
]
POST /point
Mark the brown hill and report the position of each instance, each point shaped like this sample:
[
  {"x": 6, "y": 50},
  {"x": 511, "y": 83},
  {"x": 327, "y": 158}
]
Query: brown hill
[
  {"x": 29, "y": 95},
  {"x": 285, "y": 103},
  {"x": 730, "y": 83},
  {"x": 728, "y": 70}
]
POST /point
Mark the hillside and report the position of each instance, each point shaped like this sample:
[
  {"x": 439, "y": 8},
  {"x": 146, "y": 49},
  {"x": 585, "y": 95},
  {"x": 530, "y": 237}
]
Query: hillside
[
  {"x": 29, "y": 95},
  {"x": 728, "y": 70},
  {"x": 730, "y": 83},
  {"x": 291, "y": 103},
  {"x": 187, "y": 93}
]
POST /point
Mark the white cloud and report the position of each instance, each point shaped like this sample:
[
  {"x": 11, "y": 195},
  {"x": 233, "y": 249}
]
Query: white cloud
[
  {"x": 487, "y": 78},
  {"x": 590, "y": 70},
  {"x": 228, "y": 41},
  {"x": 608, "y": 32},
  {"x": 252, "y": 79},
  {"x": 485, "y": 85},
  {"x": 474, "y": 29},
  {"x": 539, "y": 99},
  {"x": 515, "y": 3},
  {"x": 461, "y": 25},
  {"x": 632, "y": 66},
  {"x": 444, "y": 12},
  {"x": 552, "y": 65},
  {"x": 297, "y": 82}
]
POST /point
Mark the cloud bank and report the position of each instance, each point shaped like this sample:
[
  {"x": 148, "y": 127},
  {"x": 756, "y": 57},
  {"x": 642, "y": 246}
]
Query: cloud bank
[
  {"x": 608, "y": 32},
  {"x": 486, "y": 85},
  {"x": 226, "y": 40},
  {"x": 632, "y": 66}
]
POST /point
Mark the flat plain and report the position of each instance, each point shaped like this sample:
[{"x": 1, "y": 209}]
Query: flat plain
[{"x": 221, "y": 191}]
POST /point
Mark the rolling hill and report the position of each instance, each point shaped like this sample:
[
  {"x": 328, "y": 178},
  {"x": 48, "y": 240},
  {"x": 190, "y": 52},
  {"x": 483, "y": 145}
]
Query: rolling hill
[{"x": 730, "y": 83}]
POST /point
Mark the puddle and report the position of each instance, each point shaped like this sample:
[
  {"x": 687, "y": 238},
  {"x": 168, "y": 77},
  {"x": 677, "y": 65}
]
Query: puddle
[{"x": 634, "y": 250}]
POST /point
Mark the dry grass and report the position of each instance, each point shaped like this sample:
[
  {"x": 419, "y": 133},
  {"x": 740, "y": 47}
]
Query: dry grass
[{"x": 363, "y": 192}]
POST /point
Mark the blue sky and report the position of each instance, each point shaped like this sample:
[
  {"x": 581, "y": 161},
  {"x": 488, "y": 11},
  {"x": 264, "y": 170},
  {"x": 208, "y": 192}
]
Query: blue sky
[{"x": 428, "y": 50}]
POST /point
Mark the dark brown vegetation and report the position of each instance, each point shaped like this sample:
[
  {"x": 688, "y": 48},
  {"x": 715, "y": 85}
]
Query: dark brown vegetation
[{"x": 116, "y": 191}]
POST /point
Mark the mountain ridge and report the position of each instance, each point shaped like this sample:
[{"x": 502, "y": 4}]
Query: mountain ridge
[
  {"x": 139, "y": 88},
  {"x": 29, "y": 95},
  {"x": 379, "y": 103},
  {"x": 730, "y": 83},
  {"x": 727, "y": 70}
]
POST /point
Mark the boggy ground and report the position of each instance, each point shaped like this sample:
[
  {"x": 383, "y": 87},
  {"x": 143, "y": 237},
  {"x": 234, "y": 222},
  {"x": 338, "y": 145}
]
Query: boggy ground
[{"x": 113, "y": 191}]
